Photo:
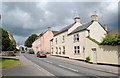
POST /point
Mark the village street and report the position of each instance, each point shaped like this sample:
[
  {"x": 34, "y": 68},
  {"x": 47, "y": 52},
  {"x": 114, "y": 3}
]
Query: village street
[{"x": 59, "y": 66}]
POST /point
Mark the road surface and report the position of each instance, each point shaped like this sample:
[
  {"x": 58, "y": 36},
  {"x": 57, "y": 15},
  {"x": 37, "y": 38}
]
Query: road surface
[{"x": 63, "y": 68}]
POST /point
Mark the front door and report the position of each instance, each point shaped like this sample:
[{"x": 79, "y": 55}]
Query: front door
[{"x": 94, "y": 55}]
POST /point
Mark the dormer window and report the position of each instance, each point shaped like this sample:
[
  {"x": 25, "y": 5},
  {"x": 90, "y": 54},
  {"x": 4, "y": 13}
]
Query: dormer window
[{"x": 76, "y": 37}]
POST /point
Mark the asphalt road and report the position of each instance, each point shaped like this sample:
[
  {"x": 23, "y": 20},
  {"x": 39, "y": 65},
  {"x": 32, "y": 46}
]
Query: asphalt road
[{"x": 63, "y": 68}]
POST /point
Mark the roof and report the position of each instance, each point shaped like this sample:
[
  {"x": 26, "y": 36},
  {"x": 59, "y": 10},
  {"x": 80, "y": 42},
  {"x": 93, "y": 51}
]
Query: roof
[
  {"x": 41, "y": 34},
  {"x": 114, "y": 32},
  {"x": 54, "y": 32},
  {"x": 83, "y": 27},
  {"x": 64, "y": 29}
]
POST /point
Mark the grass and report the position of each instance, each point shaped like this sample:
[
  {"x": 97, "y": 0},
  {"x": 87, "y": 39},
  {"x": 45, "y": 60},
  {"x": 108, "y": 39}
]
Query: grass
[{"x": 5, "y": 63}]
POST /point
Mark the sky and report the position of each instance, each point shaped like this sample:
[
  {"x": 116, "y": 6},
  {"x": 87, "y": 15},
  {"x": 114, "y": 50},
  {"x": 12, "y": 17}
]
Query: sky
[{"x": 25, "y": 18}]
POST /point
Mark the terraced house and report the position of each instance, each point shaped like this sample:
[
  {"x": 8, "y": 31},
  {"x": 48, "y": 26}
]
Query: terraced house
[
  {"x": 79, "y": 41},
  {"x": 42, "y": 43}
]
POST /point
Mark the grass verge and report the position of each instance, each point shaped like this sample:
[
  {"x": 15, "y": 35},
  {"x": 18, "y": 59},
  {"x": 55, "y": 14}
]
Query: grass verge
[{"x": 5, "y": 63}]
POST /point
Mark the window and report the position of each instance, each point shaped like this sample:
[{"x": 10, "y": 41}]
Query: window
[
  {"x": 76, "y": 37},
  {"x": 63, "y": 49},
  {"x": 56, "y": 40},
  {"x": 52, "y": 42},
  {"x": 63, "y": 40},
  {"x": 52, "y": 51},
  {"x": 76, "y": 50},
  {"x": 59, "y": 50},
  {"x": 56, "y": 50}
]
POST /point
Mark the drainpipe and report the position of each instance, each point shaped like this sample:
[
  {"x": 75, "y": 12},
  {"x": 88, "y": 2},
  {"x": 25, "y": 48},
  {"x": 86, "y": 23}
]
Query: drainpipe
[{"x": 84, "y": 52}]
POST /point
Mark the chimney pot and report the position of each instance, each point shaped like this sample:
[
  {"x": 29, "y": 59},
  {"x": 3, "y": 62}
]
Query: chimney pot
[
  {"x": 77, "y": 19},
  {"x": 94, "y": 17},
  {"x": 105, "y": 27},
  {"x": 49, "y": 28}
]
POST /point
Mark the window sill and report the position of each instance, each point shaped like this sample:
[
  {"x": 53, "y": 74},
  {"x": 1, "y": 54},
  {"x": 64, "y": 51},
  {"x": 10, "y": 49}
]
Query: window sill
[{"x": 76, "y": 53}]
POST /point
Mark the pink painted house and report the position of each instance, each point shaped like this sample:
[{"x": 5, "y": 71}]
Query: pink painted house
[{"x": 42, "y": 43}]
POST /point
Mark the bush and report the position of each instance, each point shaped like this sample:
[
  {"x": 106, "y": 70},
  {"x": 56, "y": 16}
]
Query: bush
[
  {"x": 88, "y": 59},
  {"x": 47, "y": 53},
  {"x": 111, "y": 40}
]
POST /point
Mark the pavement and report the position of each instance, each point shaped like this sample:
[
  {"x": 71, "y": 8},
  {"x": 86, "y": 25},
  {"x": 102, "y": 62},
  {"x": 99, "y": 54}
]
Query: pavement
[{"x": 26, "y": 68}]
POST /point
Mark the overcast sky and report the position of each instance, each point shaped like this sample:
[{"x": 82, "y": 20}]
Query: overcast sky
[{"x": 25, "y": 18}]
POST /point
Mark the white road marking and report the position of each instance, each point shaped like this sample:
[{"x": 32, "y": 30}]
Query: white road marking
[
  {"x": 48, "y": 61},
  {"x": 68, "y": 68}
]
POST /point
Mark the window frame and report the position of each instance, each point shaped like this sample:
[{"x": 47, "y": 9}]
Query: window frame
[
  {"x": 56, "y": 40},
  {"x": 76, "y": 37},
  {"x": 77, "y": 50},
  {"x": 63, "y": 50},
  {"x": 63, "y": 38}
]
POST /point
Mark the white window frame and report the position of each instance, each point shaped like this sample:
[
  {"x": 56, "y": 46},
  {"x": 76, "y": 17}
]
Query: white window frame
[
  {"x": 59, "y": 50},
  {"x": 56, "y": 40},
  {"x": 77, "y": 50},
  {"x": 63, "y": 38},
  {"x": 76, "y": 37},
  {"x": 63, "y": 50},
  {"x": 56, "y": 50}
]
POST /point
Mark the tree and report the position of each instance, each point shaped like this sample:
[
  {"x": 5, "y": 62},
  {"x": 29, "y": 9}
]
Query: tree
[
  {"x": 111, "y": 40},
  {"x": 30, "y": 40},
  {"x": 7, "y": 44}
]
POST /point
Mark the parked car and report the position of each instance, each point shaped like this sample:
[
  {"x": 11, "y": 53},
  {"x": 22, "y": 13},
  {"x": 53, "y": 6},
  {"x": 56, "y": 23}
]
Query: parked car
[
  {"x": 31, "y": 51},
  {"x": 41, "y": 54}
]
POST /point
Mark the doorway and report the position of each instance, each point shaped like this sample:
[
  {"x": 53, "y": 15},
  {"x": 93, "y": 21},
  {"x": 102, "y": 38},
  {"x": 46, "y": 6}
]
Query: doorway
[{"x": 94, "y": 55}]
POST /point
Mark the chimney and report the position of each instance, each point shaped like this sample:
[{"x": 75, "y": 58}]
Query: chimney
[
  {"x": 49, "y": 28},
  {"x": 94, "y": 17},
  {"x": 77, "y": 19},
  {"x": 105, "y": 27}
]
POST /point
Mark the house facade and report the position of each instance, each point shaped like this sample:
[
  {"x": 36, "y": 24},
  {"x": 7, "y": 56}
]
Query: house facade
[
  {"x": 42, "y": 43},
  {"x": 74, "y": 41}
]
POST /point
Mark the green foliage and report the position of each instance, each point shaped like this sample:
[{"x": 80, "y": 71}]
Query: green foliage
[
  {"x": 30, "y": 40},
  {"x": 88, "y": 59},
  {"x": 47, "y": 53},
  {"x": 5, "y": 63},
  {"x": 111, "y": 40},
  {"x": 7, "y": 44},
  {"x": 92, "y": 39}
]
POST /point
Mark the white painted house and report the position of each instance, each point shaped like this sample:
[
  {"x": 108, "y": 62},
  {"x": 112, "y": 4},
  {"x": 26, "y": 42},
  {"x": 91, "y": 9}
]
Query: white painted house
[{"x": 72, "y": 41}]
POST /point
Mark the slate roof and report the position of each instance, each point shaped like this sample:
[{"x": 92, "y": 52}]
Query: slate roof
[
  {"x": 64, "y": 29},
  {"x": 114, "y": 32},
  {"x": 80, "y": 28},
  {"x": 54, "y": 32}
]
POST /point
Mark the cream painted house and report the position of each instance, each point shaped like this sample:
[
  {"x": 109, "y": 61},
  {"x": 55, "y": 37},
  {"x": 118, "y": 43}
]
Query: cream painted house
[{"x": 73, "y": 42}]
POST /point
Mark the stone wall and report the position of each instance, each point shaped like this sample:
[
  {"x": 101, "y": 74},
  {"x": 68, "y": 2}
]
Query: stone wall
[{"x": 7, "y": 53}]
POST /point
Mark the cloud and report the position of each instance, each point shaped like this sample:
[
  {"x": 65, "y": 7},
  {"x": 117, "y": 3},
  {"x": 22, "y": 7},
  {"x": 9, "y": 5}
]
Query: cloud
[
  {"x": 20, "y": 39},
  {"x": 26, "y": 18}
]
